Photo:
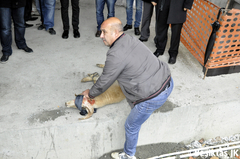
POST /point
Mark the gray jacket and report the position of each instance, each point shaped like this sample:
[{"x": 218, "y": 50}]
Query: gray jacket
[{"x": 138, "y": 72}]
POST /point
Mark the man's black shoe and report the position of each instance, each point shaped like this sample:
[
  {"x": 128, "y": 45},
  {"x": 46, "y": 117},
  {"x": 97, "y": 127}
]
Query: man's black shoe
[
  {"x": 76, "y": 34},
  {"x": 158, "y": 53},
  {"x": 32, "y": 19},
  {"x": 98, "y": 33},
  {"x": 51, "y": 31},
  {"x": 41, "y": 27},
  {"x": 143, "y": 40},
  {"x": 4, "y": 58},
  {"x": 28, "y": 25},
  {"x": 137, "y": 31},
  {"x": 126, "y": 27},
  {"x": 27, "y": 49},
  {"x": 172, "y": 60},
  {"x": 65, "y": 34}
]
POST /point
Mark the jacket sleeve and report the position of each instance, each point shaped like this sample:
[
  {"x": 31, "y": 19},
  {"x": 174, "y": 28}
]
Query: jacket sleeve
[
  {"x": 113, "y": 67},
  {"x": 188, "y": 4}
]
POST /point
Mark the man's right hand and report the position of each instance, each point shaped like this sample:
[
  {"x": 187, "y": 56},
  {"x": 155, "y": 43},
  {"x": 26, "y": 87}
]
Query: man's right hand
[{"x": 85, "y": 93}]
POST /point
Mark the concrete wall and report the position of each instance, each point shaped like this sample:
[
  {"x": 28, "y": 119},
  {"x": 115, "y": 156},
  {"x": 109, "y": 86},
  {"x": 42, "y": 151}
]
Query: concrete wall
[{"x": 103, "y": 133}]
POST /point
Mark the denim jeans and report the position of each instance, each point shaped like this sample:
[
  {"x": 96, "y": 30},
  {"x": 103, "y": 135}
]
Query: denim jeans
[
  {"x": 138, "y": 14},
  {"x": 48, "y": 10},
  {"x": 138, "y": 115},
  {"x": 38, "y": 6},
  {"x": 99, "y": 10},
  {"x": 6, "y": 16}
]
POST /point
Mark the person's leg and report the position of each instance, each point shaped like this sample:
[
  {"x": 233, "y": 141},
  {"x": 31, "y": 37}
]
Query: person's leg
[
  {"x": 175, "y": 39},
  {"x": 138, "y": 115},
  {"x": 129, "y": 11},
  {"x": 19, "y": 27},
  {"x": 28, "y": 10},
  {"x": 161, "y": 30},
  {"x": 75, "y": 14},
  {"x": 41, "y": 8},
  {"x": 138, "y": 15},
  {"x": 146, "y": 20},
  {"x": 64, "y": 14},
  {"x": 111, "y": 8},
  {"x": 37, "y": 2},
  {"x": 48, "y": 9},
  {"x": 99, "y": 12},
  {"x": 5, "y": 31},
  {"x": 161, "y": 36}
]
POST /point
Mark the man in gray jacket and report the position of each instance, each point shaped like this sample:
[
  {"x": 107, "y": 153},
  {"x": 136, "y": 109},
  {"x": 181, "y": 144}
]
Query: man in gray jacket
[{"x": 144, "y": 79}]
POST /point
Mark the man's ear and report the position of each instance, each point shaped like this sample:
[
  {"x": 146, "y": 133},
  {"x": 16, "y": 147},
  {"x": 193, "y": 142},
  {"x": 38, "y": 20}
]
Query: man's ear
[{"x": 116, "y": 33}]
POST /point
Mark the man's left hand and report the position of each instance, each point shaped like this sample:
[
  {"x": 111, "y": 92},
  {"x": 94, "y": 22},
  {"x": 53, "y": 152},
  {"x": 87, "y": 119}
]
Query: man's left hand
[{"x": 185, "y": 9}]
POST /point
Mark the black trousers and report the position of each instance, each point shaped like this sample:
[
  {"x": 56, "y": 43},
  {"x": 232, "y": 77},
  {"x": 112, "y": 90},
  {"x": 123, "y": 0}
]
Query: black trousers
[
  {"x": 28, "y": 10},
  {"x": 162, "y": 32},
  {"x": 75, "y": 14}
]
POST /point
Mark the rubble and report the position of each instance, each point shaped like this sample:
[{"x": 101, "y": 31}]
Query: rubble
[
  {"x": 212, "y": 142},
  {"x": 219, "y": 153}
]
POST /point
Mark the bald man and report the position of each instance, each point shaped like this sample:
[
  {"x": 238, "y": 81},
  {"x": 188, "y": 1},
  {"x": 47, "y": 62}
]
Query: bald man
[{"x": 144, "y": 79}]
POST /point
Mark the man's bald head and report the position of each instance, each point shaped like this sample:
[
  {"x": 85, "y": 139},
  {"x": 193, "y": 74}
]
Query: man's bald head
[
  {"x": 111, "y": 29},
  {"x": 114, "y": 23}
]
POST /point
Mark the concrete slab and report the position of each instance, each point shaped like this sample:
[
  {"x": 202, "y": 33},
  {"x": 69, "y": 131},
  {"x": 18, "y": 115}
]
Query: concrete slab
[{"x": 34, "y": 87}]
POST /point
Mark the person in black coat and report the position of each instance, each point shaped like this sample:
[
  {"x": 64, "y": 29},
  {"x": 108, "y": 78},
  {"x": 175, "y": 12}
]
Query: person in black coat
[
  {"x": 172, "y": 12},
  {"x": 12, "y": 9}
]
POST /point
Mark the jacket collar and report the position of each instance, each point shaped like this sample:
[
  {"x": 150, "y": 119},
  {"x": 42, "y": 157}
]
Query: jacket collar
[{"x": 117, "y": 40}]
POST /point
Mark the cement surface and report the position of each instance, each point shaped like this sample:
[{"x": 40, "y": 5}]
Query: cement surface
[{"x": 34, "y": 87}]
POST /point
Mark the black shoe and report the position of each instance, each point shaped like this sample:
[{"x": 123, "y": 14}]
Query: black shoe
[
  {"x": 143, "y": 40},
  {"x": 51, "y": 31},
  {"x": 32, "y": 19},
  {"x": 137, "y": 31},
  {"x": 4, "y": 58},
  {"x": 158, "y": 53},
  {"x": 27, "y": 49},
  {"x": 28, "y": 25},
  {"x": 41, "y": 27},
  {"x": 172, "y": 60},
  {"x": 65, "y": 34},
  {"x": 98, "y": 33},
  {"x": 76, "y": 34},
  {"x": 126, "y": 27}
]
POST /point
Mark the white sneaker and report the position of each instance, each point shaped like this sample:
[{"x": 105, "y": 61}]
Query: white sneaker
[{"x": 121, "y": 155}]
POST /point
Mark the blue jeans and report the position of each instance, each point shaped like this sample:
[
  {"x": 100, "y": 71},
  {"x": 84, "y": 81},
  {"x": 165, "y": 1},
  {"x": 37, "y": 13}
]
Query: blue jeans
[
  {"x": 6, "y": 16},
  {"x": 138, "y": 14},
  {"x": 99, "y": 10},
  {"x": 48, "y": 10},
  {"x": 138, "y": 115},
  {"x": 38, "y": 6}
]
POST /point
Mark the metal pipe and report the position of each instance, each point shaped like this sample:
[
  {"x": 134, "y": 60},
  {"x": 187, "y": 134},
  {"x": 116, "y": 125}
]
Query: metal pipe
[{"x": 228, "y": 2}]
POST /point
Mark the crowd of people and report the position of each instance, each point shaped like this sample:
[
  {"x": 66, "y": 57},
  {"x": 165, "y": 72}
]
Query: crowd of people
[
  {"x": 145, "y": 80},
  {"x": 168, "y": 12}
]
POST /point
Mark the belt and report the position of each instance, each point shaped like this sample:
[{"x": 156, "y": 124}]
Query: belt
[{"x": 165, "y": 85}]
